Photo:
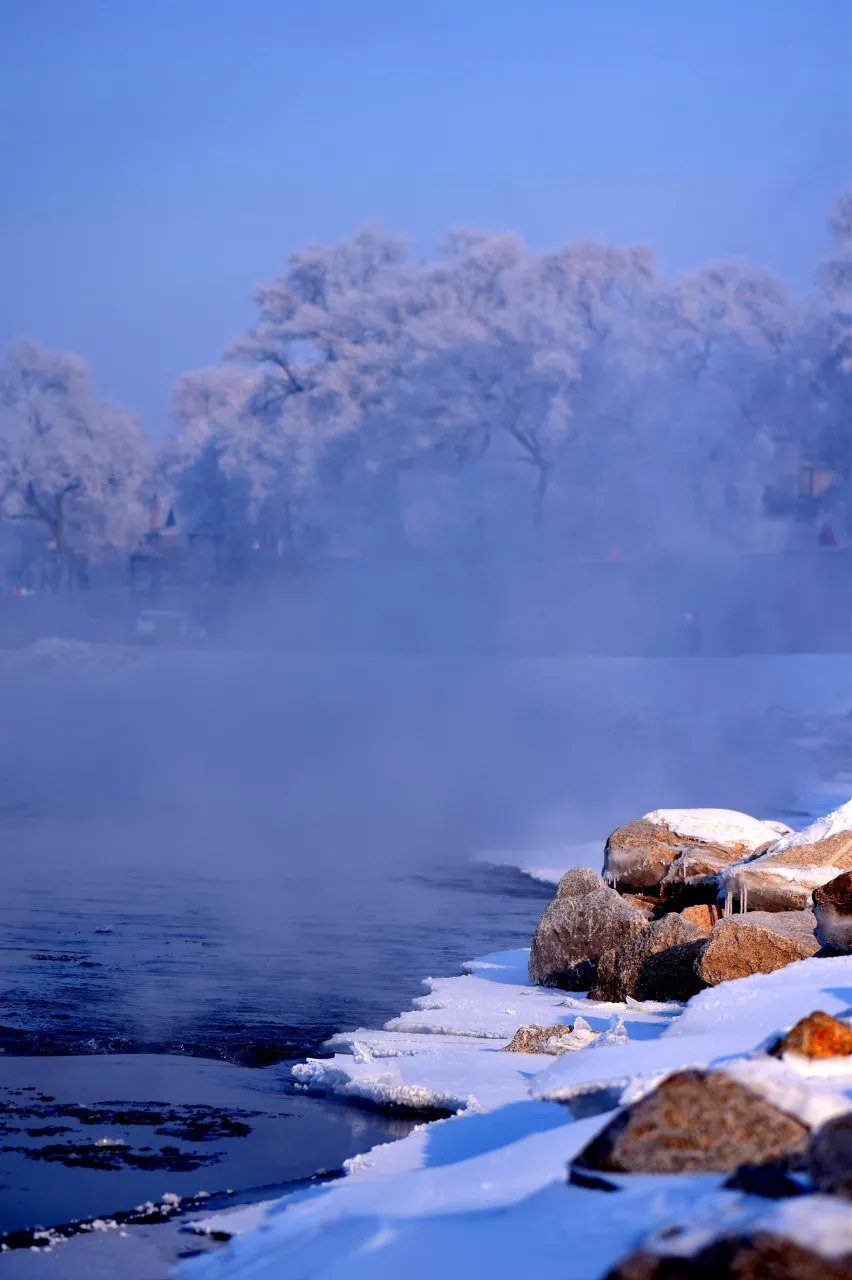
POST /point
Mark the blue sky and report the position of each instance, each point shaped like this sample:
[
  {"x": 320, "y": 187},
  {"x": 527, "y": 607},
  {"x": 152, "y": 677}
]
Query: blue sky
[{"x": 162, "y": 156}]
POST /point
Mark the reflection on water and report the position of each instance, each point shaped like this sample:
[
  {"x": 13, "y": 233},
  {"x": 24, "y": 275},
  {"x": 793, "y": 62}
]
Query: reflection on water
[{"x": 86, "y": 1137}]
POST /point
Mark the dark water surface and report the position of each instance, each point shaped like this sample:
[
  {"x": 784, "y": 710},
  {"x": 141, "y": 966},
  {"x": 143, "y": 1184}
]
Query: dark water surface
[
  {"x": 92, "y": 1136},
  {"x": 222, "y": 968},
  {"x": 247, "y": 969}
]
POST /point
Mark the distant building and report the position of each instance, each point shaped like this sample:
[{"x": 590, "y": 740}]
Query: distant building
[
  {"x": 160, "y": 555},
  {"x": 803, "y": 488}
]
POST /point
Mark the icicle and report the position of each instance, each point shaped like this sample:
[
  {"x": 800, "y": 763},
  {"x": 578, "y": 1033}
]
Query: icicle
[
  {"x": 743, "y": 897},
  {"x": 729, "y": 901}
]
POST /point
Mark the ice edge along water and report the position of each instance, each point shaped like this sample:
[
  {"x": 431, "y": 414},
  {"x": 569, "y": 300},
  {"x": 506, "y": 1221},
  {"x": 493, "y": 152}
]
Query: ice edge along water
[{"x": 484, "y": 1191}]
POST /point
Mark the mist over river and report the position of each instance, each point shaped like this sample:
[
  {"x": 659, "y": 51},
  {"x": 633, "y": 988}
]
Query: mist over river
[{"x": 224, "y": 858}]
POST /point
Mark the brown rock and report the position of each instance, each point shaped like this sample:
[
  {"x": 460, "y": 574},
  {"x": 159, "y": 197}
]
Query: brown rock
[
  {"x": 799, "y": 925},
  {"x": 704, "y": 914},
  {"x": 833, "y": 911},
  {"x": 762, "y": 1256},
  {"x": 830, "y": 851},
  {"x": 694, "y": 1122},
  {"x": 770, "y": 881},
  {"x": 829, "y": 1157},
  {"x": 637, "y": 856},
  {"x": 758, "y": 942},
  {"x": 652, "y": 964},
  {"x": 532, "y": 1039},
  {"x": 577, "y": 928},
  {"x": 817, "y": 1036},
  {"x": 838, "y": 891}
]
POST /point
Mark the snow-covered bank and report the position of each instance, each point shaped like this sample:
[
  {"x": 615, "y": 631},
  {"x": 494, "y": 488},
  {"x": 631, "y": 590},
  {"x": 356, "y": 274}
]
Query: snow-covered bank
[{"x": 486, "y": 1191}]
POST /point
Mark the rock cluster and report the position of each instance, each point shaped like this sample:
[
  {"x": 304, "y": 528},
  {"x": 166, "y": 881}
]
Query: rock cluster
[
  {"x": 659, "y": 925},
  {"x": 691, "y": 899},
  {"x": 706, "y": 1122}
]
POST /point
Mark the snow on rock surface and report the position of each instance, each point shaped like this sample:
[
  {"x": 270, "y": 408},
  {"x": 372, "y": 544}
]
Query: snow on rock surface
[
  {"x": 838, "y": 822},
  {"x": 715, "y": 826}
]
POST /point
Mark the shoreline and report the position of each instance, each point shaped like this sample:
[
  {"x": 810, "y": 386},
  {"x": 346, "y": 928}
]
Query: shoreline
[{"x": 507, "y": 1144}]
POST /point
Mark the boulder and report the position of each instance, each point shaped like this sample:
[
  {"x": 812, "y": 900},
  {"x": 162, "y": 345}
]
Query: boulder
[
  {"x": 694, "y": 1122},
  {"x": 704, "y": 914},
  {"x": 829, "y": 1157},
  {"x": 784, "y": 876},
  {"x": 583, "y": 921},
  {"x": 532, "y": 1039},
  {"x": 579, "y": 880},
  {"x": 657, "y": 963},
  {"x": 765, "y": 1255},
  {"x": 638, "y": 856},
  {"x": 758, "y": 942},
  {"x": 833, "y": 911},
  {"x": 817, "y": 1036}
]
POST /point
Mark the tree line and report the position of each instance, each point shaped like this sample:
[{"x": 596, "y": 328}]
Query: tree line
[{"x": 570, "y": 401}]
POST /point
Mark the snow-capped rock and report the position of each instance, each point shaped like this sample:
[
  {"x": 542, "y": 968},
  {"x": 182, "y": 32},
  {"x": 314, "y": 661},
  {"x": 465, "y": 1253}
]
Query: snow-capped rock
[
  {"x": 784, "y": 876},
  {"x": 694, "y": 1122},
  {"x": 638, "y": 855}
]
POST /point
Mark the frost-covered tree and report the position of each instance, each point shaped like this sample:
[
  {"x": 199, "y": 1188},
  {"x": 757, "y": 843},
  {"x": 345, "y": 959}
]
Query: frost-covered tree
[
  {"x": 309, "y": 378},
  {"x": 576, "y": 388},
  {"x": 825, "y": 367},
  {"x": 715, "y": 349},
  {"x": 69, "y": 461},
  {"x": 836, "y": 280}
]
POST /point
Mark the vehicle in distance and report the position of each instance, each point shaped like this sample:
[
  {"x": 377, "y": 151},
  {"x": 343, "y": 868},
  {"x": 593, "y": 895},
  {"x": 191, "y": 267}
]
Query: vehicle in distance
[{"x": 168, "y": 626}]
